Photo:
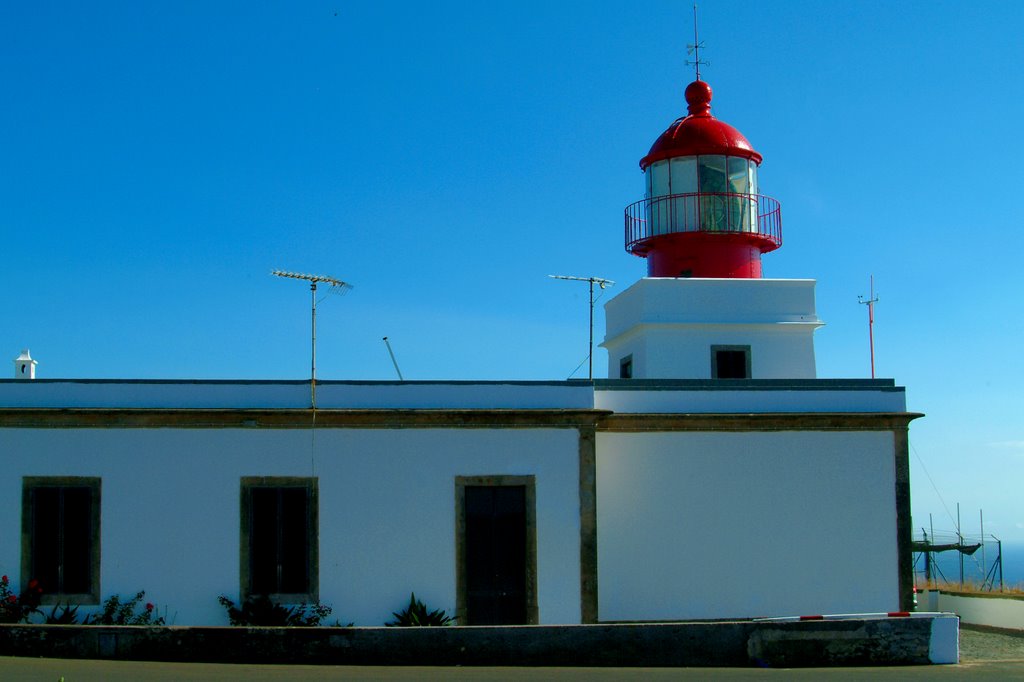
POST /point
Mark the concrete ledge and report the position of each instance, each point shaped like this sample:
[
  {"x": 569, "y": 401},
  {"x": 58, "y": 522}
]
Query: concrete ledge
[{"x": 893, "y": 641}]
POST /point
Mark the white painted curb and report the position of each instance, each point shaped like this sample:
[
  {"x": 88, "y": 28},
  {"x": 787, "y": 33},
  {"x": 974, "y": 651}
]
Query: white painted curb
[{"x": 944, "y": 646}]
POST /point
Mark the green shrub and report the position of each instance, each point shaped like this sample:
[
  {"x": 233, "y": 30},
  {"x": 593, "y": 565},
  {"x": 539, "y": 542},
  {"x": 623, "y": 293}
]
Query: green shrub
[
  {"x": 261, "y": 611},
  {"x": 67, "y": 615},
  {"x": 417, "y": 615}
]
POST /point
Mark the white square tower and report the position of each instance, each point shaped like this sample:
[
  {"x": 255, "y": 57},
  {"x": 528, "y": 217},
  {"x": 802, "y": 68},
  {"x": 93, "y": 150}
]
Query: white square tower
[{"x": 704, "y": 328}]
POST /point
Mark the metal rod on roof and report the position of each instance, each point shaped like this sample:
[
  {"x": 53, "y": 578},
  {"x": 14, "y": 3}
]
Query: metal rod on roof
[
  {"x": 393, "y": 361},
  {"x": 870, "y": 303}
]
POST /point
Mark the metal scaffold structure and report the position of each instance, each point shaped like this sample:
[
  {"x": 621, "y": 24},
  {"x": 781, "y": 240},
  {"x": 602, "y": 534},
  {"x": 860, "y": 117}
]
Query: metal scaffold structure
[{"x": 952, "y": 557}]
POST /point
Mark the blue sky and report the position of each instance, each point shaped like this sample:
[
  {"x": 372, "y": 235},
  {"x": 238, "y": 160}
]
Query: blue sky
[{"x": 157, "y": 161}]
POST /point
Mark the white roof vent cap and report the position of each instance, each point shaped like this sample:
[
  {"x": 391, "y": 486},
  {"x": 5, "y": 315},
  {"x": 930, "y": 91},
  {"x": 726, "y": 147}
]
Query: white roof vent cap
[{"x": 25, "y": 366}]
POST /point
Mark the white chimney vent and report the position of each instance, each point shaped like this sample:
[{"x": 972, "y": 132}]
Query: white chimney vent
[{"x": 25, "y": 366}]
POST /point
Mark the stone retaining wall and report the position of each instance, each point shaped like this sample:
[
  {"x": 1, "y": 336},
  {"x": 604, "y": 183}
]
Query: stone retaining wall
[{"x": 892, "y": 641}]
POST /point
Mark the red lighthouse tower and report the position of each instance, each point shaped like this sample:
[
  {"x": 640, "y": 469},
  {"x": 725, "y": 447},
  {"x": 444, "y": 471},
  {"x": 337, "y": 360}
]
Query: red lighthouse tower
[
  {"x": 701, "y": 215},
  {"x": 704, "y": 311}
]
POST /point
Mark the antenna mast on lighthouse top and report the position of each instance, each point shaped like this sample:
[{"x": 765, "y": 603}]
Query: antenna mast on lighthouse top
[{"x": 694, "y": 49}]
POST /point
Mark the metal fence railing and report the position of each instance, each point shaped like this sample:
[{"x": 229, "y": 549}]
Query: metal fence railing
[{"x": 720, "y": 212}]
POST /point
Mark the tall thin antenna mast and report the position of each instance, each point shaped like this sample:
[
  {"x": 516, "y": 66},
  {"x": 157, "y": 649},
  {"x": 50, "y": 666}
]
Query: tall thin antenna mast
[
  {"x": 870, "y": 303},
  {"x": 601, "y": 282},
  {"x": 695, "y": 48},
  {"x": 337, "y": 286}
]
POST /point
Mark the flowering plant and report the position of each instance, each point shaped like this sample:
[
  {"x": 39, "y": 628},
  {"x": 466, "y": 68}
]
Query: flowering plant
[
  {"x": 16, "y": 608},
  {"x": 116, "y": 612}
]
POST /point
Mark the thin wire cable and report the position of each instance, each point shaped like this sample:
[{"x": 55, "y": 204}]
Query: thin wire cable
[
  {"x": 582, "y": 362},
  {"x": 934, "y": 487}
]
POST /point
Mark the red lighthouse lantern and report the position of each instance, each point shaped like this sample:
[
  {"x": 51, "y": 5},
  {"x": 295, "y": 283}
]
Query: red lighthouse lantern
[{"x": 702, "y": 215}]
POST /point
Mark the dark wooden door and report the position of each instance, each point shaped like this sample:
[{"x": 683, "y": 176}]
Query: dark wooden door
[{"x": 495, "y": 555}]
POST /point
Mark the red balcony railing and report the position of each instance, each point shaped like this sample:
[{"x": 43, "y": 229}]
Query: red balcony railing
[{"x": 723, "y": 212}]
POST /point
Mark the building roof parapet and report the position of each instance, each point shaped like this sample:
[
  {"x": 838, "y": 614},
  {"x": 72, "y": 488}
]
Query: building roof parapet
[{"x": 746, "y": 385}]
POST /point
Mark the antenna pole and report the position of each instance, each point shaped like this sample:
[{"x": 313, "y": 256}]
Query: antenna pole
[
  {"x": 393, "y": 361},
  {"x": 312, "y": 366},
  {"x": 870, "y": 303},
  {"x": 981, "y": 517},
  {"x": 601, "y": 282},
  {"x": 871, "y": 324},
  {"x": 960, "y": 541},
  {"x": 696, "y": 42},
  {"x": 590, "y": 352},
  {"x": 336, "y": 285},
  {"x": 694, "y": 49}
]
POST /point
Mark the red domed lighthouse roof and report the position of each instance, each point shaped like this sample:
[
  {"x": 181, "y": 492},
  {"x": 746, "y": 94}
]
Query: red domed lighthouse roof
[{"x": 699, "y": 133}]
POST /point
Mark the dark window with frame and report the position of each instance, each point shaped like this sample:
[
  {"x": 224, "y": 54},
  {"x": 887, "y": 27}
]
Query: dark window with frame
[
  {"x": 60, "y": 527},
  {"x": 496, "y": 550},
  {"x": 730, "y": 362},
  {"x": 626, "y": 367},
  {"x": 279, "y": 538}
]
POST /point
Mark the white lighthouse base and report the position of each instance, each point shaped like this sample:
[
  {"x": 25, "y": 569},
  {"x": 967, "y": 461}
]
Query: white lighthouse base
[{"x": 695, "y": 328}]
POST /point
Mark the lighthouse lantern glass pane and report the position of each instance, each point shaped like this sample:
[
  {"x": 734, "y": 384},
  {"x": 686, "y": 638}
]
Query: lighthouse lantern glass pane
[
  {"x": 660, "y": 219},
  {"x": 659, "y": 179},
  {"x": 739, "y": 177},
  {"x": 714, "y": 207},
  {"x": 683, "y": 209},
  {"x": 712, "y": 174},
  {"x": 684, "y": 175},
  {"x": 738, "y": 217}
]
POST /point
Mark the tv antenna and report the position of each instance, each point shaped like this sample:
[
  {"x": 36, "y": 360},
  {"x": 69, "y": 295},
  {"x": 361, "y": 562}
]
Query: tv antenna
[
  {"x": 870, "y": 303},
  {"x": 696, "y": 47},
  {"x": 336, "y": 287},
  {"x": 601, "y": 282}
]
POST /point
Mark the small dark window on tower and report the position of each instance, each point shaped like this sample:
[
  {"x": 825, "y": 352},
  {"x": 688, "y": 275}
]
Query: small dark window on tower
[
  {"x": 626, "y": 367},
  {"x": 730, "y": 362}
]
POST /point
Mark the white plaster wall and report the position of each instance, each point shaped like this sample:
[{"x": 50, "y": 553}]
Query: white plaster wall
[
  {"x": 989, "y": 610},
  {"x": 170, "y": 510},
  {"x": 760, "y": 400},
  {"x": 723, "y": 525},
  {"x": 296, "y": 394},
  {"x": 674, "y": 351},
  {"x": 711, "y": 301}
]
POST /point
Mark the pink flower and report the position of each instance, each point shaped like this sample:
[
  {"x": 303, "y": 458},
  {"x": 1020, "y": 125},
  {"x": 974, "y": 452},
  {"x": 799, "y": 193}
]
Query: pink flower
[
  {"x": 12, "y": 599},
  {"x": 4, "y": 580},
  {"x": 149, "y": 607}
]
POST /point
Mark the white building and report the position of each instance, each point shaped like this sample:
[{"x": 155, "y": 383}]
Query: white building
[{"x": 714, "y": 477}]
